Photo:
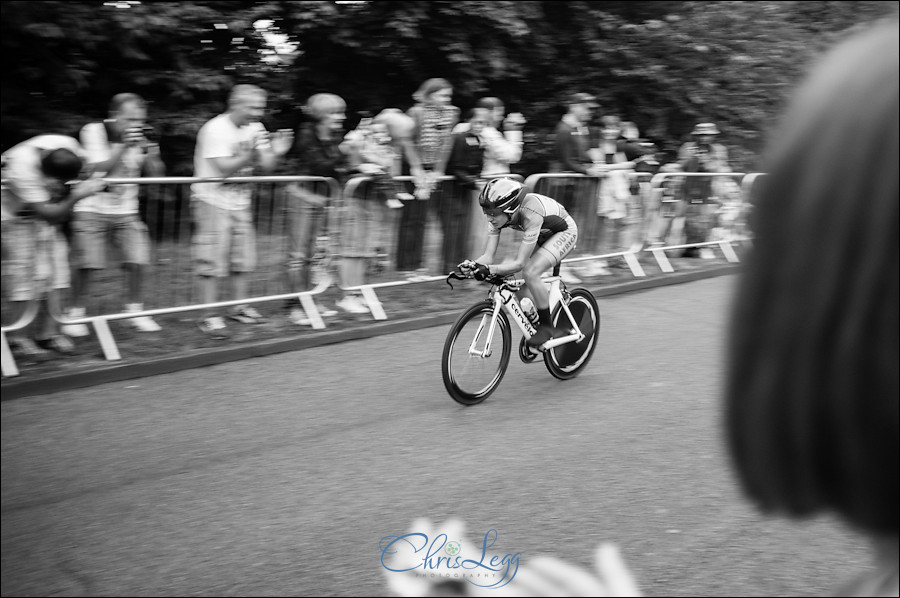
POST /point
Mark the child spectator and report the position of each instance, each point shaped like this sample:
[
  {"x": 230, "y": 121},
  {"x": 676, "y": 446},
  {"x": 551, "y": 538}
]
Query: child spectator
[{"x": 374, "y": 153}]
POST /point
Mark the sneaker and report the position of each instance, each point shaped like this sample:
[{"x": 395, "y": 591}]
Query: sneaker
[
  {"x": 326, "y": 312},
  {"x": 25, "y": 349},
  {"x": 298, "y": 317},
  {"x": 214, "y": 327},
  {"x": 568, "y": 277},
  {"x": 75, "y": 313},
  {"x": 396, "y": 203},
  {"x": 142, "y": 323},
  {"x": 707, "y": 254},
  {"x": 246, "y": 314},
  {"x": 405, "y": 197},
  {"x": 58, "y": 342},
  {"x": 353, "y": 304}
]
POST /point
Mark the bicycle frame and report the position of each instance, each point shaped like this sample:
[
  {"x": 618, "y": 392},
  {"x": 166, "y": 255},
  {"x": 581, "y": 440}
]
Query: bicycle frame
[{"x": 504, "y": 297}]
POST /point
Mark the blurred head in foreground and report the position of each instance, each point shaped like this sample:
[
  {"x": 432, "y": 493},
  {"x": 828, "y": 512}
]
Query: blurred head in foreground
[{"x": 812, "y": 391}]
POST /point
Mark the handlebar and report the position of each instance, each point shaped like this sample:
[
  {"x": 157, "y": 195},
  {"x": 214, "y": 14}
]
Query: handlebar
[{"x": 494, "y": 279}]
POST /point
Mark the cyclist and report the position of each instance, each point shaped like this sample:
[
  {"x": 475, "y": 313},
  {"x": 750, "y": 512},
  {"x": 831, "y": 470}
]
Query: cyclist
[{"x": 550, "y": 234}]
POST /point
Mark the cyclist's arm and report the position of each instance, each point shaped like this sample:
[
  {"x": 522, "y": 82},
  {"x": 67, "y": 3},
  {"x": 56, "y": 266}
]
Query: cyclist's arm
[
  {"x": 525, "y": 251},
  {"x": 490, "y": 248}
]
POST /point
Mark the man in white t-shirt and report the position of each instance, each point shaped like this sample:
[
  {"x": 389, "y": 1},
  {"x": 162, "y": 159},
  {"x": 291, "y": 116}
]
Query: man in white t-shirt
[
  {"x": 232, "y": 144},
  {"x": 115, "y": 148}
]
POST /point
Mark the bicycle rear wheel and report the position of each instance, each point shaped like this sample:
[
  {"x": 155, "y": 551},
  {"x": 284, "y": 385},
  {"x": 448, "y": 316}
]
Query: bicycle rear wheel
[
  {"x": 469, "y": 376},
  {"x": 566, "y": 361}
]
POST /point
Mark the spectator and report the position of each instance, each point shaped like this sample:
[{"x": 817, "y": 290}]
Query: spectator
[
  {"x": 36, "y": 198},
  {"x": 646, "y": 164},
  {"x": 500, "y": 150},
  {"x": 668, "y": 206},
  {"x": 374, "y": 154},
  {"x": 434, "y": 118},
  {"x": 231, "y": 144},
  {"x": 811, "y": 398},
  {"x": 615, "y": 158},
  {"x": 465, "y": 165},
  {"x": 573, "y": 142},
  {"x": 613, "y": 192},
  {"x": 317, "y": 152},
  {"x": 117, "y": 147},
  {"x": 702, "y": 154},
  {"x": 400, "y": 128}
]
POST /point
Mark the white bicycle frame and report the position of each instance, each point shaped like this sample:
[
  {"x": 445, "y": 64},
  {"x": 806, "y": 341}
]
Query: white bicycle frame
[{"x": 506, "y": 299}]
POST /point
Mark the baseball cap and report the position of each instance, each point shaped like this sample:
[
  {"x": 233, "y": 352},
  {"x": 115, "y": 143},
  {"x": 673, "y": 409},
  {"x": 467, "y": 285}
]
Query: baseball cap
[{"x": 583, "y": 98}]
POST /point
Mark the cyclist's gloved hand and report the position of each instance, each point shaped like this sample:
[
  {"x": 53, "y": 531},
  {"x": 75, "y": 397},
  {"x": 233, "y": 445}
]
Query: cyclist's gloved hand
[
  {"x": 466, "y": 266},
  {"x": 481, "y": 272}
]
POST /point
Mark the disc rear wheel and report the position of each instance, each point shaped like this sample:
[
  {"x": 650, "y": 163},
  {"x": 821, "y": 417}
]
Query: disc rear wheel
[{"x": 566, "y": 361}]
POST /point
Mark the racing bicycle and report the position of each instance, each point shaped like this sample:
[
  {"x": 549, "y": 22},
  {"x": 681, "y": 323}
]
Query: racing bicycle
[{"x": 478, "y": 346}]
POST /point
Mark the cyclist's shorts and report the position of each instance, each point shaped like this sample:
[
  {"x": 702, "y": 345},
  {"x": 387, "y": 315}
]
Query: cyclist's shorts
[{"x": 559, "y": 245}]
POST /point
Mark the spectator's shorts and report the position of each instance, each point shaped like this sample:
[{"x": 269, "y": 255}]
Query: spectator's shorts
[
  {"x": 559, "y": 245},
  {"x": 35, "y": 258},
  {"x": 224, "y": 240},
  {"x": 90, "y": 231},
  {"x": 357, "y": 226}
]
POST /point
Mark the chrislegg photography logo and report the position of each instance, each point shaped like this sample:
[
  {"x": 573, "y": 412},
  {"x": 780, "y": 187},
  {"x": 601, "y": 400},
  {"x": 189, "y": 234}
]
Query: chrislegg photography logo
[{"x": 418, "y": 557}]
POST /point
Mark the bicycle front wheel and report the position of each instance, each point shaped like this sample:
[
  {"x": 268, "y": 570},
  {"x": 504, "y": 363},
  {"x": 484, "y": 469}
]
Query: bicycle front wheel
[
  {"x": 474, "y": 364},
  {"x": 565, "y": 361}
]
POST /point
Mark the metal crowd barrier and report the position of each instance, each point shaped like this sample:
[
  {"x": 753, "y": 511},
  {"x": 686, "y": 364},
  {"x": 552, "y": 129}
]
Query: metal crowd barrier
[
  {"x": 656, "y": 243},
  {"x": 172, "y": 272},
  {"x": 27, "y": 316},
  {"x": 166, "y": 210},
  {"x": 573, "y": 187}
]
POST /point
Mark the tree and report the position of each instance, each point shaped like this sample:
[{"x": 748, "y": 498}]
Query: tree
[{"x": 665, "y": 65}]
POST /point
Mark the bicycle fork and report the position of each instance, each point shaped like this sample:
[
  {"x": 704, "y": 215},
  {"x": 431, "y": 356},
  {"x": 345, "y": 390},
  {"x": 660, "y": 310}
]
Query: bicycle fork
[{"x": 486, "y": 351}]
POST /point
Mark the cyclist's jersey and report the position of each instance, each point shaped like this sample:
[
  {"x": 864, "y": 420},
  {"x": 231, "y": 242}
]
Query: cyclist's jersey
[{"x": 539, "y": 217}]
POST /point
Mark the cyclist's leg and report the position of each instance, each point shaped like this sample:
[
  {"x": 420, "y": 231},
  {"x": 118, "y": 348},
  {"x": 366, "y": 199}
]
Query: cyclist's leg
[
  {"x": 545, "y": 257},
  {"x": 540, "y": 262}
]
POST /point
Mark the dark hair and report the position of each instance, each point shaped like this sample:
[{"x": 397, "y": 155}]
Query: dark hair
[
  {"x": 429, "y": 87},
  {"x": 489, "y": 102},
  {"x": 811, "y": 398},
  {"x": 61, "y": 164}
]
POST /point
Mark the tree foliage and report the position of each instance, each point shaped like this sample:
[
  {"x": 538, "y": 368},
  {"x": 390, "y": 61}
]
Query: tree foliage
[{"x": 663, "y": 65}]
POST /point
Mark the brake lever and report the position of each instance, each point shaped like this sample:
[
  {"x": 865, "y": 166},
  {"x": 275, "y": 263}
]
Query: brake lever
[{"x": 455, "y": 275}]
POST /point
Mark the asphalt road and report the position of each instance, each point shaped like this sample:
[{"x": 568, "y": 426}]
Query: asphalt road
[{"x": 280, "y": 475}]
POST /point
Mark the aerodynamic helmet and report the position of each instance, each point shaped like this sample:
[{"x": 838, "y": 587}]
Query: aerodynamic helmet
[{"x": 501, "y": 194}]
